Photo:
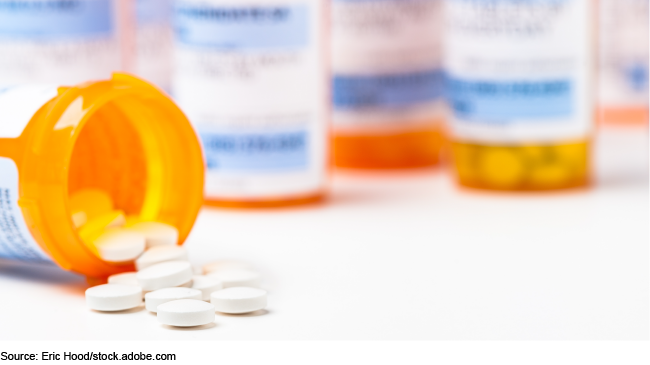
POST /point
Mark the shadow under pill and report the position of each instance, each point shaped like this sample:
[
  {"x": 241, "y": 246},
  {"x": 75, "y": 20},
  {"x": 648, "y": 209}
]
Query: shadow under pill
[
  {"x": 126, "y": 311},
  {"x": 257, "y": 313},
  {"x": 195, "y": 328}
]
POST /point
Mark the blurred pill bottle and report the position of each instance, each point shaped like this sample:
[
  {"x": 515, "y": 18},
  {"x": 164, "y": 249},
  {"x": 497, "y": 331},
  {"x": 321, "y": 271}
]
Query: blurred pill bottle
[
  {"x": 623, "y": 64},
  {"x": 252, "y": 78},
  {"x": 63, "y": 42},
  {"x": 121, "y": 135},
  {"x": 521, "y": 90},
  {"x": 387, "y": 83},
  {"x": 153, "y": 41}
]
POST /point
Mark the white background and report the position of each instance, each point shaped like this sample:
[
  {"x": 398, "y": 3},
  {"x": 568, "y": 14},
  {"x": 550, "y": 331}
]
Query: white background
[{"x": 404, "y": 256}]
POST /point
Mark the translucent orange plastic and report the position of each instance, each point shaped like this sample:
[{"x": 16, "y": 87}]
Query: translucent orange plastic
[
  {"x": 121, "y": 135},
  {"x": 623, "y": 116},
  {"x": 522, "y": 167},
  {"x": 412, "y": 149}
]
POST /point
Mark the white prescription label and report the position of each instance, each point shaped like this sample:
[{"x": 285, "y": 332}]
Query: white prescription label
[
  {"x": 623, "y": 66},
  {"x": 65, "y": 42},
  {"x": 154, "y": 39},
  {"x": 16, "y": 243},
  {"x": 18, "y": 104},
  {"x": 519, "y": 71},
  {"x": 386, "y": 64},
  {"x": 251, "y": 78}
]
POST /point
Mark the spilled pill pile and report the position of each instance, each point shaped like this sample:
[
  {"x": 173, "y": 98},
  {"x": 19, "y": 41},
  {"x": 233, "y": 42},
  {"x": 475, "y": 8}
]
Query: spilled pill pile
[{"x": 171, "y": 287}]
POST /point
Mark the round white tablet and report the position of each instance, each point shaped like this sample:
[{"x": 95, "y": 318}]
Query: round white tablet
[
  {"x": 186, "y": 313},
  {"x": 207, "y": 285},
  {"x": 157, "y": 234},
  {"x": 164, "y": 275},
  {"x": 157, "y": 297},
  {"x": 160, "y": 254},
  {"x": 125, "y": 278},
  {"x": 186, "y": 285},
  {"x": 113, "y": 297},
  {"x": 225, "y": 265},
  {"x": 231, "y": 278},
  {"x": 118, "y": 245},
  {"x": 238, "y": 300}
]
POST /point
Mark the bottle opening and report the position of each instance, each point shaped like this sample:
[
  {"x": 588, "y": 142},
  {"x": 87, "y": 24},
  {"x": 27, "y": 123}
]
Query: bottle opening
[{"x": 109, "y": 156}]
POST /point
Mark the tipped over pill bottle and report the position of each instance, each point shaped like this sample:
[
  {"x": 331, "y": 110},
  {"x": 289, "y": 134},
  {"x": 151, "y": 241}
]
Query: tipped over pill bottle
[
  {"x": 387, "y": 83},
  {"x": 121, "y": 136},
  {"x": 252, "y": 78},
  {"x": 62, "y": 41},
  {"x": 623, "y": 63},
  {"x": 521, "y": 90}
]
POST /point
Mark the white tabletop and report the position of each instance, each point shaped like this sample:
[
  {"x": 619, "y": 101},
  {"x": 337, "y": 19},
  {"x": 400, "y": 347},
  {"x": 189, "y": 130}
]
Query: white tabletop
[{"x": 404, "y": 256}]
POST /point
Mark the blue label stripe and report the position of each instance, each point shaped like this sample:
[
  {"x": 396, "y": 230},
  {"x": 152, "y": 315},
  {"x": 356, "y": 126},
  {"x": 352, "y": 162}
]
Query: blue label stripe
[
  {"x": 636, "y": 76},
  {"x": 246, "y": 27},
  {"x": 499, "y": 101},
  {"x": 259, "y": 152},
  {"x": 55, "y": 19},
  {"x": 388, "y": 90}
]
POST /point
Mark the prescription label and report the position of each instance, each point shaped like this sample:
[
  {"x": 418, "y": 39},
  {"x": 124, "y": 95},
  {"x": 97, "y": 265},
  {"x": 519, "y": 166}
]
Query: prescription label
[
  {"x": 623, "y": 66},
  {"x": 386, "y": 64},
  {"x": 16, "y": 242},
  {"x": 18, "y": 104},
  {"x": 519, "y": 72},
  {"x": 154, "y": 39},
  {"x": 251, "y": 77},
  {"x": 58, "y": 41}
]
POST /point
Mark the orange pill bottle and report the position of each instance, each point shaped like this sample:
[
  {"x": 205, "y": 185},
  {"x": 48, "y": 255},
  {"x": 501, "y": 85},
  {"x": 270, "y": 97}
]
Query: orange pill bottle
[
  {"x": 387, "y": 83},
  {"x": 520, "y": 81},
  {"x": 121, "y": 135}
]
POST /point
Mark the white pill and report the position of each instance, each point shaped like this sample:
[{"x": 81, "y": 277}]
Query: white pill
[
  {"x": 198, "y": 270},
  {"x": 79, "y": 219},
  {"x": 238, "y": 300},
  {"x": 231, "y": 278},
  {"x": 225, "y": 265},
  {"x": 113, "y": 297},
  {"x": 157, "y": 297},
  {"x": 158, "y": 234},
  {"x": 125, "y": 278},
  {"x": 158, "y": 254},
  {"x": 186, "y": 313},
  {"x": 207, "y": 285},
  {"x": 119, "y": 245},
  {"x": 186, "y": 285},
  {"x": 164, "y": 275}
]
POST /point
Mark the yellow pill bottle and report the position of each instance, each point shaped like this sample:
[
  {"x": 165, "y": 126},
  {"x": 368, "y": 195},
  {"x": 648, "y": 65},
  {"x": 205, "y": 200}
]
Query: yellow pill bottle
[
  {"x": 520, "y": 84},
  {"x": 121, "y": 135}
]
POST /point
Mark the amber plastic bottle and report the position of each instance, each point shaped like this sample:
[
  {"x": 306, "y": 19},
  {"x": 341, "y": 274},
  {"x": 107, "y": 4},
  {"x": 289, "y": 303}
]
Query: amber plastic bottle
[
  {"x": 387, "y": 83},
  {"x": 122, "y": 135}
]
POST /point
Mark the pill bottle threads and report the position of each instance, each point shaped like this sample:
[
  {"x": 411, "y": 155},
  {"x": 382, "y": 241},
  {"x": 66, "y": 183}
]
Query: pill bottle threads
[
  {"x": 521, "y": 122},
  {"x": 387, "y": 83},
  {"x": 120, "y": 135},
  {"x": 257, "y": 91},
  {"x": 623, "y": 61}
]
